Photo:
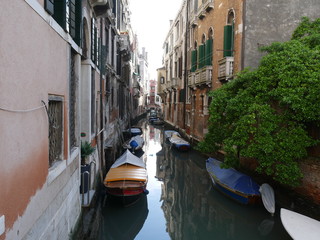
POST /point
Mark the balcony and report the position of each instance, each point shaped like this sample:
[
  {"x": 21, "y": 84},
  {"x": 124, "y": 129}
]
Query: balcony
[
  {"x": 204, "y": 76},
  {"x": 124, "y": 42},
  {"x": 202, "y": 15},
  {"x": 191, "y": 79},
  {"x": 100, "y": 7},
  {"x": 225, "y": 69},
  {"x": 208, "y": 5}
]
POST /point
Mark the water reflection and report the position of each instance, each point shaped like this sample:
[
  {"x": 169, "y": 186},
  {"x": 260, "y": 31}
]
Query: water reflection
[
  {"x": 123, "y": 222},
  {"x": 194, "y": 210},
  {"x": 183, "y": 205}
]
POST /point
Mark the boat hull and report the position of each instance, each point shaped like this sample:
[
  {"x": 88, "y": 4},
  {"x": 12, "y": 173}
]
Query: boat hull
[
  {"x": 182, "y": 147},
  {"x": 125, "y": 192},
  {"x": 236, "y": 196},
  {"x": 235, "y": 185}
]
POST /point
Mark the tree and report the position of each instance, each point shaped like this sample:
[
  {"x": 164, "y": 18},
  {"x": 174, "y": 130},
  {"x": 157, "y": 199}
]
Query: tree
[{"x": 262, "y": 114}]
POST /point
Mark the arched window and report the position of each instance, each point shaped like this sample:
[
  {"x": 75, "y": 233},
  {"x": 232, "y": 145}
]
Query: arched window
[
  {"x": 194, "y": 57},
  {"x": 203, "y": 40},
  {"x": 209, "y": 48},
  {"x": 228, "y": 43}
]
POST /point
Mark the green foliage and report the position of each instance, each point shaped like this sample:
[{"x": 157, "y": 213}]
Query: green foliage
[
  {"x": 86, "y": 150},
  {"x": 262, "y": 114}
]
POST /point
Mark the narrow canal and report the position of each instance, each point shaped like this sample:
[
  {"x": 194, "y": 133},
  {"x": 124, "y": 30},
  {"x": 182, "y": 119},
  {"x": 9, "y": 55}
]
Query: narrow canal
[{"x": 182, "y": 203}]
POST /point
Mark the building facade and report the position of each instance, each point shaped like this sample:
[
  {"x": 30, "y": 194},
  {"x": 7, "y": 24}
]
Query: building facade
[
  {"x": 209, "y": 42},
  {"x": 66, "y": 78},
  {"x": 223, "y": 38}
]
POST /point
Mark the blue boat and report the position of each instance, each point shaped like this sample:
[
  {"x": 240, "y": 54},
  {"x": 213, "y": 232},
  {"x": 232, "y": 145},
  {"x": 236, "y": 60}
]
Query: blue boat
[
  {"x": 234, "y": 184},
  {"x": 176, "y": 140}
]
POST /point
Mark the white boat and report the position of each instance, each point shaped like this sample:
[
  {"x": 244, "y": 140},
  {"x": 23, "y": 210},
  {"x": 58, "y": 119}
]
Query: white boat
[
  {"x": 300, "y": 226},
  {"x": 267, "y": 195}
]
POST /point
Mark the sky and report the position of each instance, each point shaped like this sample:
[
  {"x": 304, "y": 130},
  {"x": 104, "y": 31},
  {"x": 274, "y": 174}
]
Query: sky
[{"x": 150, "y": 20}]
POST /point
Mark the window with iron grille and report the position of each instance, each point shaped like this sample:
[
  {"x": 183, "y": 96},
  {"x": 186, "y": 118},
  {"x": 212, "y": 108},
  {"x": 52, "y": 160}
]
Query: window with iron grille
[
  {"x": 55, "y": 115},
  {"x": 72, "y": 102}
]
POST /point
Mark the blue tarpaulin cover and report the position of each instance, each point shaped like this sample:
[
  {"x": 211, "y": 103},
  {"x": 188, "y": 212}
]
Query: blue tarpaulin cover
[{"x": 232, "y": 178}]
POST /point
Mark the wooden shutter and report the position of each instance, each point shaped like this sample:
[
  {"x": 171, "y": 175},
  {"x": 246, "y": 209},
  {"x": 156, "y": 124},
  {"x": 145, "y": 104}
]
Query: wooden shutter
[
  {"x": 49, "y": 6},
  {"x": 228, "y": 41},
  {"x": 201, "y": 55},
  {"x": 208, "y": 52},
  {"x": 193, "y": 61},
  {"x": 60, "y": 13}
]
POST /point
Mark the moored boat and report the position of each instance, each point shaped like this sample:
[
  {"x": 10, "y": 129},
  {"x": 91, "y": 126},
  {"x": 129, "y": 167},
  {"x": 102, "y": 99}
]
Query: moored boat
[
  {"x": 300, "y": 226},
  {"x": 236, "y": 185},
  {"x": 133, "y": 131},
  {"x": 134, "y": 144},
  {"x": 127, "y": 178},
  {"x": 176, "y": 140}
]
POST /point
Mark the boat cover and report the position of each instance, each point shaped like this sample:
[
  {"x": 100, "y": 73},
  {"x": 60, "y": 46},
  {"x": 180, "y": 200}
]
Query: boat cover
[
  {"x": 136, "y": 142},
  {"x": 126, "y": 173},
  {"x": 169, "y": 133},
  {"x": 232, "y": 178},
  {"x": 135, "y": 131},
  {"x": 176, "y": 139},
  {"x": 129, "y": 158}
]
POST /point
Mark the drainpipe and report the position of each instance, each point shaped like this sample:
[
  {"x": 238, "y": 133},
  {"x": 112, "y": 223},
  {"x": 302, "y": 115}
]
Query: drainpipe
[{"x": 185, "y": 65}]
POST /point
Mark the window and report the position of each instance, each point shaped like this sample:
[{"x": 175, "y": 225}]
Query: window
[
  {"x": 228, "y": 40},
  {"x": 68, "y": 14},
  {"x": 49, "y": 6},
  {"x": 93, "y": 41},
  {"x": 209, "y": 49},
  {"x": 55, "y": 115},
  {"x": 194, "y": 57},
  {"x": 202, "y": 103}
]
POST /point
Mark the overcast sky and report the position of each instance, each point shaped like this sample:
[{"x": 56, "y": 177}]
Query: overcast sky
[{"x": 150, "y": 20}]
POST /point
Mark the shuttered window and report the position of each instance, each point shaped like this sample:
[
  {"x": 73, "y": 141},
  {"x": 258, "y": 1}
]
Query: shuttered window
[
  {"x": 60, "y": 13},
  {"x": 208, "y": 52},
  {"x": 228, "y": 41},
  {"x": 68, "y": 14},
  {"x": 201, "y": 55},
  {"x": 193, "y": 61},
  {"x": 49, "y": 6}
]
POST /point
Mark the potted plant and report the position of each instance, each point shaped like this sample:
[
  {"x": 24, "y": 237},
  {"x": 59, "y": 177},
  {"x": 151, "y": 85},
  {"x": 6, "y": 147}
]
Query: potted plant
[{"x": 86, "y": 151}]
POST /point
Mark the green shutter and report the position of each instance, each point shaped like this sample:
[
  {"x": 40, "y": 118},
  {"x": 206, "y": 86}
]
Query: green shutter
[
  {"x": 228, "y": 41},
  {"x": 201, "y": 55},
  {"x": 49, "y": 6},
  {"x": 60, "y": 13},
  {"x": 208, "y": 52},
  {"x": 193, "y": 60}
]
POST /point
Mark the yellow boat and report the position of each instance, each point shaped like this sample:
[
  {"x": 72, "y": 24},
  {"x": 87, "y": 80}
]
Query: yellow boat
[{"x": 127, "y": 178}]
